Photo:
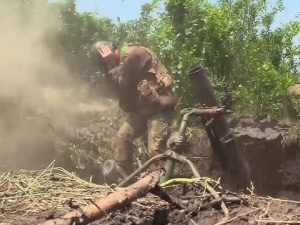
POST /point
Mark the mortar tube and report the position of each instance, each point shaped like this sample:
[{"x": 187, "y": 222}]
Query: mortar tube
[{"x": 219, "y": 133}]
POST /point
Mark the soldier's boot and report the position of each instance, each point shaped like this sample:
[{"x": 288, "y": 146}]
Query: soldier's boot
[
  {"x": 115, "y": 172},
  {"x": 123, "y": 155}
]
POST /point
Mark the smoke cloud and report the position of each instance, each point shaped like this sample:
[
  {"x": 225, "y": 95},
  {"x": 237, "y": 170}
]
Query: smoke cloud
[{"x": 36, "y": 93}]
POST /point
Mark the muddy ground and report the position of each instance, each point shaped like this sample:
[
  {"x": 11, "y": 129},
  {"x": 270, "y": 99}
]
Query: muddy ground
[
  {"x": 274, "y": 168},
  {"x": 201, "y": 208},
  {"x": 198, "y": 207},
  {"x": 86, "y": 146}
]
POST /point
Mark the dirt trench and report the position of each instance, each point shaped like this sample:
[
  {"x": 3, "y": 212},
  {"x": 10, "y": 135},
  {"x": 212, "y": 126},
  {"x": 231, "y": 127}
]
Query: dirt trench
[
  {"x": 274, "y": 167},
  {"x": 261, "y": 141}
]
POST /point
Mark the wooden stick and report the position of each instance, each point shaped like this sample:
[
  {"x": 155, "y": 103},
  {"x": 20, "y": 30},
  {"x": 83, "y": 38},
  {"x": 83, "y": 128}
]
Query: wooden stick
[
  {"x": 112, "y": 202},
  {"x": 205, "y": 185},
  {"x": 278, "y": 221},
  {"x": 265, "y": 213},
  {"x": 238, "y": 216}
]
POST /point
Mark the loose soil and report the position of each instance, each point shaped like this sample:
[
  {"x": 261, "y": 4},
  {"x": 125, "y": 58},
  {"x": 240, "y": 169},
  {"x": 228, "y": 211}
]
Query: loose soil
[
  {"x": 199, "y": 207},
  {"x": 275, "y": 172}
]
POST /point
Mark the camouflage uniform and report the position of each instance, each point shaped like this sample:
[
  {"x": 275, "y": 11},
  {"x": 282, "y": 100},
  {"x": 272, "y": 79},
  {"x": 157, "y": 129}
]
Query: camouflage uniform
[
  {"x": 138, "y": 65},
  {"x": 292, "y": 102}
]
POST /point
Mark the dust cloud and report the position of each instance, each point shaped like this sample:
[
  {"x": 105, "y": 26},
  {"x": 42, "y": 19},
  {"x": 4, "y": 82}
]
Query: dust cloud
[{"x": 37, "y": 98}]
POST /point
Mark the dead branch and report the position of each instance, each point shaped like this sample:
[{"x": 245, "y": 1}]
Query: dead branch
[
  {"x": 112, "y": 202},
  {"x": 232, "y": 199},
  {"x": 213, "y": 192},
  {"x": 238, "y": 216},
  {"x": 265, "y": 213},
  {"x": 277, "y": 221}
]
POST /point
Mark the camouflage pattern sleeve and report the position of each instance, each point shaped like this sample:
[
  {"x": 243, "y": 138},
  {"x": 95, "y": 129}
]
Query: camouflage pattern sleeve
[{"x": 128, "y": 73}]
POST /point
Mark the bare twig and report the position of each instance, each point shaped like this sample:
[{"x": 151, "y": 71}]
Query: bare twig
[
  {"x": 216, "y": 196},
  {"x": 278, "y": 221},
  {"x": 265, "y": 213},
  {"x": 239, "y": 216},
  {"x": 269, "y": 198}
]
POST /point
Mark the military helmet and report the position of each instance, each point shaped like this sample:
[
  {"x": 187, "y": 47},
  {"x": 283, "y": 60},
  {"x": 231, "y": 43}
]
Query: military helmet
[
  {"x": 95, "y": 55},
  {"x": 98, "y": 44}
]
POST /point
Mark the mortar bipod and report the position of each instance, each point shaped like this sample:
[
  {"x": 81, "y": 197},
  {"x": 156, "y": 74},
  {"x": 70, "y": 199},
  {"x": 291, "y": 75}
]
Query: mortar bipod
[{"x": 176, "y": 146}]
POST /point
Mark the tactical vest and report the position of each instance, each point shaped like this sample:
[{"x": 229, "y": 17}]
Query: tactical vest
[{"x": 156, "y": 68}]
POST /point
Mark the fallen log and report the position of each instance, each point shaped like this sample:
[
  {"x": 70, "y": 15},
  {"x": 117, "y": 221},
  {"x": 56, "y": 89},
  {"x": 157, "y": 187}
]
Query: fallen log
[{"x": 112, "y": 202}]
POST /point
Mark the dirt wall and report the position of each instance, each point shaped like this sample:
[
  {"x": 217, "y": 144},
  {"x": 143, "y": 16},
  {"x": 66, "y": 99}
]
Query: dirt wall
[{"x": 274, "y": 165}]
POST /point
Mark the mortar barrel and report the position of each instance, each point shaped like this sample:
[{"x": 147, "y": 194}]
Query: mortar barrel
[{"x": 218, "y": 131}]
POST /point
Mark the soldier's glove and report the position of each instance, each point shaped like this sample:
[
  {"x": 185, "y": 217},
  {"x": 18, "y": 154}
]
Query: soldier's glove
[{"x": 148, "y": 92}]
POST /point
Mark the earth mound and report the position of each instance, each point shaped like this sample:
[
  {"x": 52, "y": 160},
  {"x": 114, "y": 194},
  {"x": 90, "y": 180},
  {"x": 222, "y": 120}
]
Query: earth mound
[{"x": 33, "y": 197}]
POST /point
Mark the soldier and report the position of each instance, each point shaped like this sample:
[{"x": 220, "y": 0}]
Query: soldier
[
  {"x": 292, "y": 102},
  {"x": 144, "y": 88}
]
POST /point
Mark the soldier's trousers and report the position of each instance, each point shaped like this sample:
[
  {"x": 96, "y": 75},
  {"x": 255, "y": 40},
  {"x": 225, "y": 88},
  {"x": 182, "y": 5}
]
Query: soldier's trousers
[{"x": 159, "y": 129}]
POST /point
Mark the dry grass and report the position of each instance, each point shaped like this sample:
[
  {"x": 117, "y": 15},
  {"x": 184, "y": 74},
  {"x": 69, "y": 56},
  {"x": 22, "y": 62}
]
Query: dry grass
[{"x": 28, "y": 192}]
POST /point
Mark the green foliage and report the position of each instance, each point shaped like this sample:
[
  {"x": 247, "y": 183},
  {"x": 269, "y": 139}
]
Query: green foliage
[
  {"x": 234, "y": 39},
  {"x": 78, "y": 32}
]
